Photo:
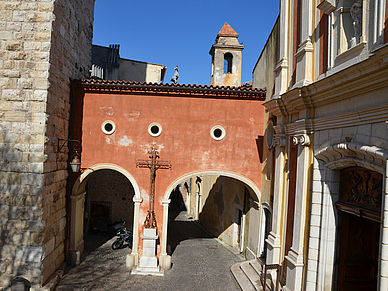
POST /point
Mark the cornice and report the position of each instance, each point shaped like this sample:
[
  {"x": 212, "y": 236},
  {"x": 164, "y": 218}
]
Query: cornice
[
  {"x": 178, "y": 90},
  {"x": 357, "y": 79},
  {"x": 360, "y": 117},
  {"x": 228, "y": 46}
]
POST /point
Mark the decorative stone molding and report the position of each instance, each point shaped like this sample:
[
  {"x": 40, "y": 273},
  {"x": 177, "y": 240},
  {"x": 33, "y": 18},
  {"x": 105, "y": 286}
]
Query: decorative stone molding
[
  {"x": 347, "y": 154},
  {"x": 280, "y": 141},
  {"x": 302, "y": 139},
  {"x": 327, "y": 6},
  {"x": 269, "y": 134},
  {"x": 137, "y": 200}
]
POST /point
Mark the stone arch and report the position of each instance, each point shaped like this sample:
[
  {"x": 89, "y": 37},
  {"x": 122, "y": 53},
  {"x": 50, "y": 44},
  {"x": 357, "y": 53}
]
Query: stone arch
[
  {"x": 165, "y": 260},
  {"x": 80, "y": 183},
  {"x": 349, "y": 154},
  {"x": 76, "y": 244},
  {"x": 255, "y": 189}
]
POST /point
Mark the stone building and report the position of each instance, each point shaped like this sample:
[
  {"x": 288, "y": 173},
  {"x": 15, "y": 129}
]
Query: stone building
[
  {"x": 199, "y": 132},
  {"x": 327, "y": 145},
  {"x": 108, "y": 65},
  {"x": 226, "y": 55},
  {"x": 45, "y": 208},
  {"x": 43, "y": 46}
]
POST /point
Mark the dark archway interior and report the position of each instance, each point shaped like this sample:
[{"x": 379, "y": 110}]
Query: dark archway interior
[{"x": 108, "y": 201}]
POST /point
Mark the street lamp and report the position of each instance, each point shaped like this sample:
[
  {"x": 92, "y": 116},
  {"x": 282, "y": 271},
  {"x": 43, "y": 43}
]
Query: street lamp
[{"x": 75, "y": 163}]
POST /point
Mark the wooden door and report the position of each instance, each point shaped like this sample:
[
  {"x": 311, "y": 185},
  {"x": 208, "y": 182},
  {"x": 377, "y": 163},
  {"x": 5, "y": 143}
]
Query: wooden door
[
  {"x": 360, "y": 215},
  {"x": 359, "y": 249}
]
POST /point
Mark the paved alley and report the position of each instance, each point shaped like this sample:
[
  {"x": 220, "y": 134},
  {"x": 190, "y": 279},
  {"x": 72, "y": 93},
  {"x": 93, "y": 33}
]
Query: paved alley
[{"x": 199, "y": 262}]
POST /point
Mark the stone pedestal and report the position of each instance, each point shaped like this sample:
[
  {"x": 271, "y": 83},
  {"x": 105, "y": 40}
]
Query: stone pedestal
[{"x": 148, "y": 264}]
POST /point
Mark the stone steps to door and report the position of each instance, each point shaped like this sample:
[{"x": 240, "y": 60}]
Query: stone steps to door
[{"x": 247, "y": 275}]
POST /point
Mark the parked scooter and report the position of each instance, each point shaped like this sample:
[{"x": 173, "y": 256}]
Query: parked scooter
[{"x": 123, "y": 234}]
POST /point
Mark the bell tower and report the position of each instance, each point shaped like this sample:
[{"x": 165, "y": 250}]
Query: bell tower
[{"x": 226, "y": 55}]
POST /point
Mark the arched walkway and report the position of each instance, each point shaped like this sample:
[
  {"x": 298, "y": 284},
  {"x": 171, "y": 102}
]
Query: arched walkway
[
  {"x": 77, "y": 209},
  {"x": 222, "y": 176}
]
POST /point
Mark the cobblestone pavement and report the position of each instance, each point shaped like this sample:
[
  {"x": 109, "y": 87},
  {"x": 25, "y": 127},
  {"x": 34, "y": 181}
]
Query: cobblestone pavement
[{"x": 199, "y": 262}]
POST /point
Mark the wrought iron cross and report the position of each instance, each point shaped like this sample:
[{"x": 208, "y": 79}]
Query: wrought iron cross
[{"x": 153, "y": 164}]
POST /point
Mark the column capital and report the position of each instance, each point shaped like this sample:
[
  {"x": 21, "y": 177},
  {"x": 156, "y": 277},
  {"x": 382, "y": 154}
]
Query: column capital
[
  {"x": 280, "y": 141},
  {"x": 137, "y": 200},
  {"x": 166, "y": 202},
  {"x": 303, "y": 139}
]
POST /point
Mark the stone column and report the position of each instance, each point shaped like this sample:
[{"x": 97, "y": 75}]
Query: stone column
[
  {"x": 199, "y": 199},
  {"x": 295, "y": 255},
  {"x": 274, "y": 239},
  {"x": 133, "y": 258},
  {"x": 165, "y": 259},
  {"x": 76, "y": 228}
]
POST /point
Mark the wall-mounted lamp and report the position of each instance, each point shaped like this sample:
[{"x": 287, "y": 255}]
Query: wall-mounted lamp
[{"x": 75, "y": 160}]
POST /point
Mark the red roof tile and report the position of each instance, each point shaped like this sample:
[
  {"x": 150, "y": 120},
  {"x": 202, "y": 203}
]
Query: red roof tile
[
  {"x": 227, "y": 30},
  {"x": 180, "y": 89}
]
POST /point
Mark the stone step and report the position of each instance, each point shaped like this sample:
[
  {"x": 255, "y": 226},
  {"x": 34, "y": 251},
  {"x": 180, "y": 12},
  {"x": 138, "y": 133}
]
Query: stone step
[
  {"x": 256, "y": 266},
  {"x": 241, "y": 278},
  {"x": 252, "y": 275}
]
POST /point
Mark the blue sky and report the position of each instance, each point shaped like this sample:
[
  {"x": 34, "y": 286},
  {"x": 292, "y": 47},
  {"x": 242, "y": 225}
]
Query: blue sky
[{"x": 182, "y": 32}]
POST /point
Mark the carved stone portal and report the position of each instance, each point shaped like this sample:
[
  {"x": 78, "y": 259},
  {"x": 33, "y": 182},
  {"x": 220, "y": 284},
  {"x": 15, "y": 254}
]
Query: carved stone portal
[{"x": 361, "y": 186}]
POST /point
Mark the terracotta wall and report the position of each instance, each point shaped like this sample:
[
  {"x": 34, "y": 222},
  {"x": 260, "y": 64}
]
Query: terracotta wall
[{"x": 185, "y": 139}]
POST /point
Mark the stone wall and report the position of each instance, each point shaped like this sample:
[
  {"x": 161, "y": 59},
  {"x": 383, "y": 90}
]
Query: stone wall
[
  {"x": 114, "y": 189},
  {"x": 42, "y": 45},
  {"x": 261, "y": 78}
]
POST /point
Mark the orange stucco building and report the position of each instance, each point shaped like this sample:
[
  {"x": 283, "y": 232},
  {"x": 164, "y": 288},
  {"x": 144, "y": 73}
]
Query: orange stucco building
[{"x": 199, "y": 129}]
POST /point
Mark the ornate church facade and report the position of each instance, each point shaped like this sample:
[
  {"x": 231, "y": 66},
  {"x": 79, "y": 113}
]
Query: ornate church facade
[{"x": 326, "y": 134}]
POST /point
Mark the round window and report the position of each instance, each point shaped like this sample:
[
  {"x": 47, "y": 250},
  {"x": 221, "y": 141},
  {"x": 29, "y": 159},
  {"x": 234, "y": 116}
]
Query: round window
[
  {"x": 217, "y": 132},
  {"x": 155, "y": 129},
  {"x": 108, "y": 127}
]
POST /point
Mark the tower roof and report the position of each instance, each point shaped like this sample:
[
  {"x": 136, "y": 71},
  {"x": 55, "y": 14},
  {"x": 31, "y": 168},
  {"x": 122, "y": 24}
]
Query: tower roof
[{"x": 227, "y": 30}]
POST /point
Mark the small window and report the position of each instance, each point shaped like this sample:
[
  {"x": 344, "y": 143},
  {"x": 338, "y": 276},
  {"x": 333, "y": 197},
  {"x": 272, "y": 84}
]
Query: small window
[
  {"x": 217, "y": 132},
  {"x": 228, "y": 59},
  {"x": 108, "y": 127},
  {"x": 154, "y": 129}
]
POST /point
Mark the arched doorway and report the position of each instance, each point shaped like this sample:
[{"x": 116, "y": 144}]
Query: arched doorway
[
  {"x": 108, "y": 201},
  {"x": 334, "y": 165},
  {"x": 108, "y": 186},
  {"x": 359, "y": 207},
  {"x": 226, "y": 204}
]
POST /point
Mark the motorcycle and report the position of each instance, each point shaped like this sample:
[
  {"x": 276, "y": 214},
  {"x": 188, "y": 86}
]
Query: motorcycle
[{"x": 123, "y": 234}]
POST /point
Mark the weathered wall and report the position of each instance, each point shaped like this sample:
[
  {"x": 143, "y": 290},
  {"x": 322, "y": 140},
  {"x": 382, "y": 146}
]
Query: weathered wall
[
  {"x": 112, "y": 187},
  {"x": 125, "y": 69},
  {"x": 185, "y": 139},
  {"x": 262, "y": 77},
  {"x": 42, "y": 45},
  {"x": 227, "y": 79},
  {"x": 140, "y": 71},
  {"x": 222, "y": 198}
]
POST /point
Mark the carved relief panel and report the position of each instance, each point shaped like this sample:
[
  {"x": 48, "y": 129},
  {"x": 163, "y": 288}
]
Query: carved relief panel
[{"x": 361, "y": 189}]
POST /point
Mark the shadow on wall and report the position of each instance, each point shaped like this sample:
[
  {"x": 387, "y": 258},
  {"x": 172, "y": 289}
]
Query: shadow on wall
[
  {"x": 223, "y": 204},
  {"x": 21, "y": 225}
]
